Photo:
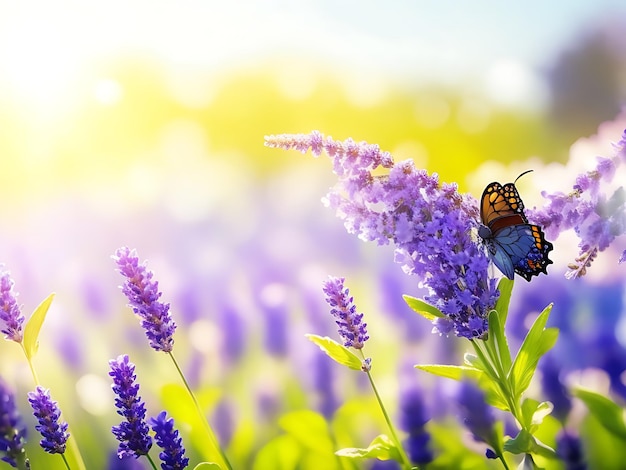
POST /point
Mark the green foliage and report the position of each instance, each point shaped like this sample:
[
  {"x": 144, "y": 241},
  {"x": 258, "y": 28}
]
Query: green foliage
[
  {"x": 381, "y": 448},
  {"x": 338, "y": 352},
  {"x": 504, "y": 380},
  {"x": 538, "y": 341},
  {"x": 424, "y": 309},
  {"x": 609, "y": 414},
  {"x": 450, "y": 371},
  {"x": 33, "y": 327},
  {"x": 309, "y": 429}
]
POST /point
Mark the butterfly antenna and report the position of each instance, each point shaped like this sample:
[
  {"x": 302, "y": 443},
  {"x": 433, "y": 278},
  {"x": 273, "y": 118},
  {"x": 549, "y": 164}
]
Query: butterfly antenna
[{"x": 527, "y": 171}]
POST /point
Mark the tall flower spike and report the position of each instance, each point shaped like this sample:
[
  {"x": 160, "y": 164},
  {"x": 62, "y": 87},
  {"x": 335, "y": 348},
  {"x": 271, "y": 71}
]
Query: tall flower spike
[
  {"x": 12, "y": 429},
  {"x": 351, "y": 327},
  {"x": 477, "y": 415},
  {"x": 143, "y": 296},
  {"x": 597, "y": 216},
  {"x": 53, "y": 432},
  {"x": 133, "y": 432},
  {"x": 166, "y": 437},
  {"x": 11, "y": 317},
  {"x": 430, "y": 224}
]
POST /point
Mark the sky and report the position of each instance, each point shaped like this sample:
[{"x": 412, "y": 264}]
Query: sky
[{"x": 416, "y": 37}]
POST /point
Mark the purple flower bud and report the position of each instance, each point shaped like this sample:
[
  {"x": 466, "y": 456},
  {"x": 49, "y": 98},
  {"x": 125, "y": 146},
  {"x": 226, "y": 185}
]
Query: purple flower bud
[
  {"x": 143, "y": 296},
  {"x": 173, "y": 454},
  {"x": 53, "y": 432},
  {"x": 12, "y": 429},
  {"x": 476, "y": 414},
  {"x": 133, "y": 432},
  {"x": 351, "y": 327},
  {"x": 11, "y": 318},
  {"x": 430, "y": 224},
  {"x": 596, "y": 212}
]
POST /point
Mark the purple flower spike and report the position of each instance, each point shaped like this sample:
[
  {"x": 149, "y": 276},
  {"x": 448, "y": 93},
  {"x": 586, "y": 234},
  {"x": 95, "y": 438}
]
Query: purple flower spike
[
  {"x": 12, "y": 429},
  {"x": 166, "y": 437},
  {"x": 47, "y": 412},
  {"x": 595, "y": 208},
  {"x": 351, "y": 327},
  {"x": 477, "y": 415},
  {"x": 143, "y": 294},
  {"x": 430, "y": 224},
  {"x": 132, "y": 433},
  {"x": 11, "y": 318}
]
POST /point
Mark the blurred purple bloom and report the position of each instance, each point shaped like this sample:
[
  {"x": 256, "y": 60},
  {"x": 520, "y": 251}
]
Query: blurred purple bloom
[
  {"x": 623, "y": 257},
  {"x": 476, "y": 414},
  {"x": 12, "y": 429},
  {"x": 173, "y": 454},
  {"x": 10, "y": 316},
  {"x": 324, "y": 383},
  {"x": 596, "y": 216},
  {"x": 133, "y": 432},
  {"x": 351, "y": 328},
  {"x": 430, "y": 224},
  {"x": 413, "y": 418},
  {"x": 53, "y": 432},
  {"x": 553, "y": 389},
  {"x": 570, "y": 450},
  {"x": 143, "y": 295}
]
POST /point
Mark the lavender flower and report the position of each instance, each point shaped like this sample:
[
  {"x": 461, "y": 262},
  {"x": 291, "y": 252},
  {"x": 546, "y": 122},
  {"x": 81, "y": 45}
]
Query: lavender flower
[
  {"x": 476, "y": 414},
  {"x": 570, "y": 450},
  {"x": 143, "y": 295},
  {"x": 12, "y": 429},
  {"x": 351, "y": 328},
  {"x": 166, "y": 437},
  {"x": 10, "y": 316},
  {"x": 47, "y": 412},
  {"x": 597, "y": 216},
  {"x": 431, "y": 225},
  {"x": 413, "y": 418},
  {"x": 132, "y": 433}
]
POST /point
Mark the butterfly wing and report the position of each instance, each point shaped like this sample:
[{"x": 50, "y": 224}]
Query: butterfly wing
[
  {"x": 514, "y": 245},
  {"x": 525, "y": 247},
  {"x": 500, "y": 202}
]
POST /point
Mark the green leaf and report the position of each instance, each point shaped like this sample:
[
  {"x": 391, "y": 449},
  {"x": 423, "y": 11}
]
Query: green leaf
[
  {"x": 450, "y": 372},
  {"x": 33, "y": 327},
  {"x": 381, "y": 448},
  {"x": 337, "y": 351},
  {"x": 608, "y": 413},
  {"x": 538, "y": 341},
  {"x": 281, "y": 453},
  {"x": 309, "y": 428},
  {"x": 424, "y": 309},
  {"x": 207, "y": 466},
  {"x": 505, "y": 286},
  {"x": 497, "y": 338},
  {"x": 523, "y": 443},
  {"x": 534, "y": 412}
]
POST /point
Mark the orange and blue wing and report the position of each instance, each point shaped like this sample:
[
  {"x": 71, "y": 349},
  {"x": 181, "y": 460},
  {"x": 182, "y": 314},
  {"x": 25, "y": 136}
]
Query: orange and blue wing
[{"x": 514, "y": 245}]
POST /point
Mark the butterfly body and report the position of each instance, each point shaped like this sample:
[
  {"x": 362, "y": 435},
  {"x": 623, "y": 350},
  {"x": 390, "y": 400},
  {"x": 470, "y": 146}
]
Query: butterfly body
[{"x": 513, "y": 244}]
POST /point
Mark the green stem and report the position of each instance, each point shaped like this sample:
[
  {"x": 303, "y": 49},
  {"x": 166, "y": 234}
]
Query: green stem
[
  {"x": 67, "y": 465},
  {"x": 405, "y": 459},
  {"x": 30, "y": 365},
  {"x": 224, "y": 463},
  {"x": 151, "y": 462},
  {"x": 72, "y": 453}
]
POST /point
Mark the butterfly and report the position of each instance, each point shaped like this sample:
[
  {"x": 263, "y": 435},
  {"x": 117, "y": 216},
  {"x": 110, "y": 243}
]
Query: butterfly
[{"x": 514, "y": 245}]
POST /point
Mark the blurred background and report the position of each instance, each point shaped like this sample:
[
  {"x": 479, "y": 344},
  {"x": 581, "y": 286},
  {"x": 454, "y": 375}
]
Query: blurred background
[{"x": 142, "y": 123}]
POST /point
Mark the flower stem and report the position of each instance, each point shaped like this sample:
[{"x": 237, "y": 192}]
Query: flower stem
[
  {"x": 67, "y": 465},
  {"x": 72, "y": 453},
  {"x": 151, "y": 462},
  {"x": 223, "y": 460},
  {"x": 405, "y": 459}
]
